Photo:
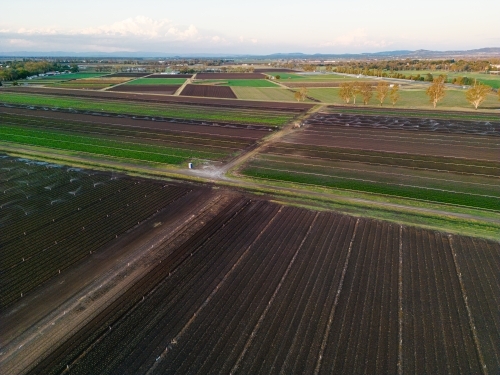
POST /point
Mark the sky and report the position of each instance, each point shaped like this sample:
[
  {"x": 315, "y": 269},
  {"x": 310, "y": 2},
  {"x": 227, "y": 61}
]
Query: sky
[{"x": 247, "y": 27}]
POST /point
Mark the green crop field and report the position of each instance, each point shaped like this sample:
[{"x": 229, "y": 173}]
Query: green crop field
[
  {"x": 171, "y": 111},
  {"x": 285, "y": 75},
  {"x": 93, "y": 145},
  {"x": 66, "y": 77},
  {"x": 238, "y": 82},
  {"x": 256, "y": 93},
  {"x": 166, "y": 145},
  {"x": 157, "y": 81}
]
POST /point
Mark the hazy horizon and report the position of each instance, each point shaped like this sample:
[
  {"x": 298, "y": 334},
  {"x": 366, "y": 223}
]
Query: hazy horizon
[{"x": 258, "y": 28}]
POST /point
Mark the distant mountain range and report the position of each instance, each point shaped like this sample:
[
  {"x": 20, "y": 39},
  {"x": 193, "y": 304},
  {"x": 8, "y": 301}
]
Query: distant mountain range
[{"x": 419, "y": 54}]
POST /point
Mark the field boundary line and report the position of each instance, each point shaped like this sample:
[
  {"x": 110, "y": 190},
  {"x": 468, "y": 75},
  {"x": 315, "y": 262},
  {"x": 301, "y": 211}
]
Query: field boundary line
[
  {"x": 400, "y": 303},
  {"x": 335, "y": 302},
  {"x": 271, "y": 300},
  {"x": 176, "y": 339},
  {"x": 469, "y": 313}
]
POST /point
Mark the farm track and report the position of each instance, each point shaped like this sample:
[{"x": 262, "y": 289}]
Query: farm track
[{"x": 263, "y": 288}]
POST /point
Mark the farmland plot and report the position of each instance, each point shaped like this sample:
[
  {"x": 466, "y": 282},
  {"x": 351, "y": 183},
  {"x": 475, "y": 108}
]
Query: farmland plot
[
  {"x": 208, "y": 91},
  {"x": 55, "y": 216},
  {"x": 263, "y": 288},
  {"x": 447, "y": 161},
  {"x": 127, "y": 139}
]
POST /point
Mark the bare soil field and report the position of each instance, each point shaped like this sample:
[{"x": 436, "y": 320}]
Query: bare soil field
[
  {"x": 230, "y": 76},
  {"x": 151, "y": 89},
  {"x": 108, "y": 95},
  {"x": 262, "y": 288},
  {"x": 208, "y": 91}
]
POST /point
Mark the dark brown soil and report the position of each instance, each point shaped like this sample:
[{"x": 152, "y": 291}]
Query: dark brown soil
[{"x": 208, "y": 91}]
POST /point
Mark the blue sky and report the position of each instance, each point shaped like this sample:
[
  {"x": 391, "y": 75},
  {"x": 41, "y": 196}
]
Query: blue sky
[{"x": 255, "y": 27}]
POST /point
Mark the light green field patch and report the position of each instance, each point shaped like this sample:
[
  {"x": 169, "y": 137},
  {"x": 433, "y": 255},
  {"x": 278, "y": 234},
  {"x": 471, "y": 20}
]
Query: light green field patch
[
  {"x": 238, "y": 82},
  {"x": 157, "y": 81},
  {"x": 256, "y": 93},
  {"x": 285, "y": 76},
  {"x": 66, "y": 77},
  {"x": 454, "y": 99}
]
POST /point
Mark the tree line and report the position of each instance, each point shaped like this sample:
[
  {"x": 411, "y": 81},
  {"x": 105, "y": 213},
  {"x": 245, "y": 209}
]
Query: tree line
[
  {"x": 475, "y": 95},
  {"x": 14, "y": 70}
]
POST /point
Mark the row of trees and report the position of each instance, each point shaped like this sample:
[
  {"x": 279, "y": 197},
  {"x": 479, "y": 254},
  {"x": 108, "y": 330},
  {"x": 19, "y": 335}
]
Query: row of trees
[
  {"x": 451, "y": 65},
  {"x": 475, "y": 95},
  {"x": 351, "y": 90}
]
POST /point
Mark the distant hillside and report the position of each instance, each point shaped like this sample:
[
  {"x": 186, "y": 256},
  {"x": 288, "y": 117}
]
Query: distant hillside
[{"x": 482, "y": 52}]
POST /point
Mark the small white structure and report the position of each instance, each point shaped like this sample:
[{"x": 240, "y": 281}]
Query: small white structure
[{"x": 190, "y": 165}]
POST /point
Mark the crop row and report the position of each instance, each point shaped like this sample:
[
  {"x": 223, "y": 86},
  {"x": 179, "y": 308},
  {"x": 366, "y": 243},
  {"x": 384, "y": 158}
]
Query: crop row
[
  {"x": 423, "y": 162},
  {"x": 263, "y": 288},
  {"x": 39, "y": 239},
  {"x": 437, "y": 336},
  {"x": 149, "y": 136},
  {"x": 176, "y": 112},
  {"x": 41, "y": 260},
  {"x": 449, "y": 123},
  {"x": 134, "y": 298},
  {"x": 270, "y": 172}
]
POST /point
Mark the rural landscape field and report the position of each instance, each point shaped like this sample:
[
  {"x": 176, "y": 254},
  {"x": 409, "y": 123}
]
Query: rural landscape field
[{"x": 224, "y": 207}]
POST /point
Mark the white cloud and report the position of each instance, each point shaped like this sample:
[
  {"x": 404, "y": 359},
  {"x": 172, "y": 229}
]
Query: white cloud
[{"x": 191, "y": 33}]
